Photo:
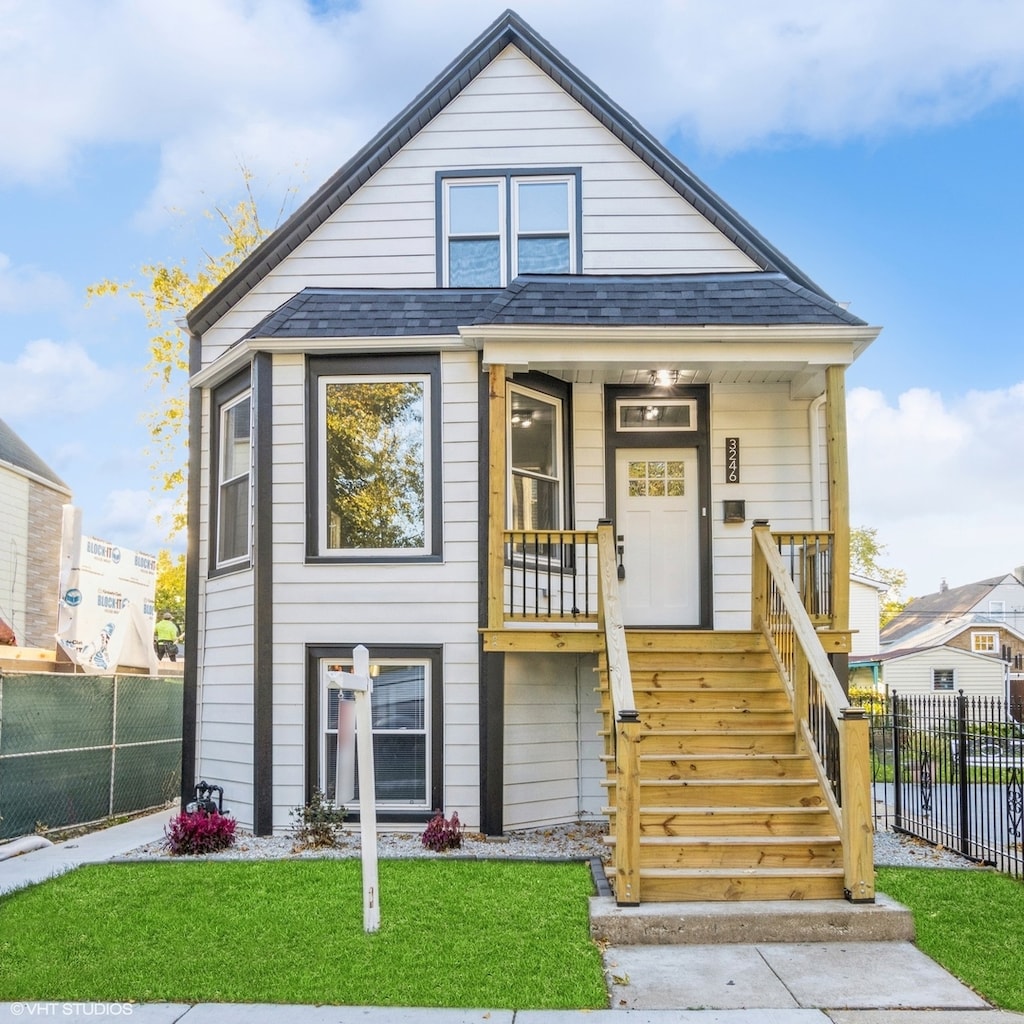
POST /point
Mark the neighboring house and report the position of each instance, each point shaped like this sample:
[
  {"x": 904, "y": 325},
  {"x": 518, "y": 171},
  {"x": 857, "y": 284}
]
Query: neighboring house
[
  {"x": 865, "y": 612},
  {"x": 968, "y": 638},
  {"x": 31, "y": 500},
  {"x": 512, "y": 315},
  {"x": 995, "y": 600}
]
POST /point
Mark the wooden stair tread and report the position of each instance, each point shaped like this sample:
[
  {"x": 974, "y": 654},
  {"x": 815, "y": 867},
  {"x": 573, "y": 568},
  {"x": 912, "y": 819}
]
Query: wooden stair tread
[
  {"x": 758, "y": 841},
  {"x": 708, "y": 811},
  {"x": 753, "y": 872}
]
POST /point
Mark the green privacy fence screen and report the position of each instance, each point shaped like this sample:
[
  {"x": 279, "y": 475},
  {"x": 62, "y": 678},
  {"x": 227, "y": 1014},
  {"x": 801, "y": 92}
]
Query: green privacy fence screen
[{"x": 77, "y": 749}]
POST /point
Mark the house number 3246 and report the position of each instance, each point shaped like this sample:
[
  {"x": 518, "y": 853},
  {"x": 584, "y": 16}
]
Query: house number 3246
[{"x": 732, "y": 460}]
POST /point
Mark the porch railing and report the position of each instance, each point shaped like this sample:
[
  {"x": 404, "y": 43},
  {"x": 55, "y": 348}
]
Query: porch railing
[
  {"x": 550, "y": 576},
  {"x": 827, "y": 725},
  {"x": 625, "y": 734},
  {"x": 807, "y": 557}
]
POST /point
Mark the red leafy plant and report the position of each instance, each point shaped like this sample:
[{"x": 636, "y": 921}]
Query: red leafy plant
[
  {"x": 441, "y": 835},
  {"x": 199, "y": 832}
]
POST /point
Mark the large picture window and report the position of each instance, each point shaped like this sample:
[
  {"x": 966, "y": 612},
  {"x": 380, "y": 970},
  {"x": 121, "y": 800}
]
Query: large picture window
[
  {"x": 493, "y": 228},
  {"x": 405, "y": 712},
  {"x": 378, "y": 448},
  {"x": 232, "y": 497}
]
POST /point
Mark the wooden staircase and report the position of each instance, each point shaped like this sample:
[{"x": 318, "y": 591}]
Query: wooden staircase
[{"x": 729, "y": 808}]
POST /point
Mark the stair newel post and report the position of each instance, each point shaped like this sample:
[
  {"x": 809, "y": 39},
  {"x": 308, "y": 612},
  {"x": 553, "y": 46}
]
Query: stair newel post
[
  {"x": 627, "y": 809},
  {"x": 758, "y": 578},
  {"x": 857, "y": 820}
]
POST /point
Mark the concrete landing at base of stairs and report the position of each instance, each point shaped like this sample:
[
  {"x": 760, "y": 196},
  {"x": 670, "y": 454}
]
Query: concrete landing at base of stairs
[{"x": 750, "y": 922}]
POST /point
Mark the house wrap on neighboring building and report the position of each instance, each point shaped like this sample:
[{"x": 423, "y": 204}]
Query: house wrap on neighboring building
[{"x": 513, "y": 314}]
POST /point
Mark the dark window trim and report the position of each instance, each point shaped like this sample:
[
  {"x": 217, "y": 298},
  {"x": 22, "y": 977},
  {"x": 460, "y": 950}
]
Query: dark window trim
[
  {"x": 219, "y": 397},
  {"x": 392, "y": 364},
  {"x": 508, "y": 173},
  {"x": 561, "y": 392},
  {"x": 433, "y": 654},
  {"x": 699, "y": 439}
]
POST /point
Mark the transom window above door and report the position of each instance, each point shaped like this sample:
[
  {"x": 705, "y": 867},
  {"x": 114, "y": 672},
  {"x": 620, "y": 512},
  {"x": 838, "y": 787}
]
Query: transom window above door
[{"x": 493, "y": 227}]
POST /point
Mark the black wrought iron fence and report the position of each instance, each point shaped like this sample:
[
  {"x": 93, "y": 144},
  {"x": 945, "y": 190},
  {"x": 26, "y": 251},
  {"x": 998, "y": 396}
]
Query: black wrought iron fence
[{"x": 949, "y": 769}]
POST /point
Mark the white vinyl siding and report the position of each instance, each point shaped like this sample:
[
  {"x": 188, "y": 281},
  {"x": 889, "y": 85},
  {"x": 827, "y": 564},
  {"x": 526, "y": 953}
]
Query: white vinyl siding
[
  {"x": 775, "y": 482},
  {"x": 432, "y": 604},
  {"x": 552, "y": 754},
  {"x": 978, "y": 675},
  {"x": 864, "y": 611},
  {"x": 511, "y": 116}
]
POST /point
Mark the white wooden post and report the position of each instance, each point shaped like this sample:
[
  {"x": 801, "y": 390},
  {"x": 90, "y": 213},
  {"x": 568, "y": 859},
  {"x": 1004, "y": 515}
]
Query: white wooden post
[{"x": 360, "y": 683}]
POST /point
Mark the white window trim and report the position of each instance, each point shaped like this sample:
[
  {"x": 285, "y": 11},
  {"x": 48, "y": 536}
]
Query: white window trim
[
  {"x": 559, "y": 478},
  {"x": 539, "y": 179},
  {"x": 223, "y": 411},
  {"x": 346, "y": 664},
  {"x": 323, "y": 382},
  {"x": 976, "y": 635},
  {"x": 508, "y": 220}
]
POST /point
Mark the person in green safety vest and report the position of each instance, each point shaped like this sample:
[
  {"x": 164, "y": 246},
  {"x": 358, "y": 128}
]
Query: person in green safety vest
[{"x": 166, "y": 638}]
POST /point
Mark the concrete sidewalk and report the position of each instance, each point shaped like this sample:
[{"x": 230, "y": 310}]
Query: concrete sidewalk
[{"x": 758, "y": 983}]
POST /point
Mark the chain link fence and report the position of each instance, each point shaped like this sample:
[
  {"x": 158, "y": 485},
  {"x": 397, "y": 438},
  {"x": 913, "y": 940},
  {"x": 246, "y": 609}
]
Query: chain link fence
[{"x": 76, "y": 749}]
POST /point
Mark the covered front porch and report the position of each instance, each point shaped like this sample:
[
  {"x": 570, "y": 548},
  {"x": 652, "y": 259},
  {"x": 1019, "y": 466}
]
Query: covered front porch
[{"x": 551, "y": 589}]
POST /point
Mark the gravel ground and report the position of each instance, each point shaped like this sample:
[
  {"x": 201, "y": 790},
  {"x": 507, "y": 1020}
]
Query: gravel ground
[{"x": 557, "y": 842}]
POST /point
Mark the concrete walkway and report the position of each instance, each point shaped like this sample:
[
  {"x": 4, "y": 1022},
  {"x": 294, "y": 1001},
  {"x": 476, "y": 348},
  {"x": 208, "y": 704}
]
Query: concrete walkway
[{"x": 759, "y": 983}]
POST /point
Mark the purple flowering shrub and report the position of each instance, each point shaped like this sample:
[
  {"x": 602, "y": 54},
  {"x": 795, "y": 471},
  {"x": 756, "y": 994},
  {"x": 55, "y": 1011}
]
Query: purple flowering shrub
[
  {"x": 199, "y": 832},
  {"x": 441, "y": 835}
]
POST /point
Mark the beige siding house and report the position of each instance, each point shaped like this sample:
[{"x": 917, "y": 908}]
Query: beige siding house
[
  {"x": 31, "y": 499},
  {"x": 513, "y": 362}
]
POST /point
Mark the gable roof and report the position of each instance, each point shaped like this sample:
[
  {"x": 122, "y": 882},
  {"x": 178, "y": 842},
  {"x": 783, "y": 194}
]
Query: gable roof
[
  {"x": 945, "y": 604},
  {"x": 661, "y": 300},
  {"x": 508, "y": 29},
  {"x": 16, "y": 453},
  {"x": 939, "y": 632}
]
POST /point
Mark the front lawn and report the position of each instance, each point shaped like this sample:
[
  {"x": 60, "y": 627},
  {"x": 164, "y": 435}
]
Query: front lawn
[
  {"x": 968, "y": 921},
  {"x": 456, "y": 933}
]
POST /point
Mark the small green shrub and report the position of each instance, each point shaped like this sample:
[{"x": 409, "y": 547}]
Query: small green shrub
[
  {"x": 441, "y": 835},
  {"x": 199, "y": 832},
  {"x": 318, "y": 824}
]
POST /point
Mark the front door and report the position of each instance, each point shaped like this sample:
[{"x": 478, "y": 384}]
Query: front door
[{"x": 657, "y": 526}]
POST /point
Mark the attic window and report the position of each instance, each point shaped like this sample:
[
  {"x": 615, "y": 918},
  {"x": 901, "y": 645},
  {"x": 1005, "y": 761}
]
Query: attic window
[
  {"x": 493, "y": 227},
  {"x": 985, "y": 643}
]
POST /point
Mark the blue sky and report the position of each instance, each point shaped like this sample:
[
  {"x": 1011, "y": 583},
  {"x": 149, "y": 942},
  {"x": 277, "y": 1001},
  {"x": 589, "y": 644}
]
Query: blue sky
[{"x": 878, "y": 144}]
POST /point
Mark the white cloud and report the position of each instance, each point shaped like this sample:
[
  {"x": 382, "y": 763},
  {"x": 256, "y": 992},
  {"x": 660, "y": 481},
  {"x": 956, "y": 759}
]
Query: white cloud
[
  {"x": 26, "y": 288},
  {"x": 134, "y": 519},
  {"x": 56, "y": 378},
  {"x": 938, "y": 478},
  {"x": 212, "y": 83}
]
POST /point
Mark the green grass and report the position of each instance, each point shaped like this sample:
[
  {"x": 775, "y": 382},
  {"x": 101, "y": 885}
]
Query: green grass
[
  {"x": 968, "y": 921},
  {"x": 456, "y": 933}
]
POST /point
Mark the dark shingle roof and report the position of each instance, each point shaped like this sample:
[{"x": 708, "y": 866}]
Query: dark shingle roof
[
  {"x": 508, "y": 29},
  {"x": 16, "y": 453},
  {"x": 664, "y": 300},
  {"x": 670, "y": 300},
  {"x": 374, "y": 312}
]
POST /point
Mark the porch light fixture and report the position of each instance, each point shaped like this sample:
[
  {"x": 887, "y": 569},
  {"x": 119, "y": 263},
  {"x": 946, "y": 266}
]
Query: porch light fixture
[{"x": 664, "y": 378}]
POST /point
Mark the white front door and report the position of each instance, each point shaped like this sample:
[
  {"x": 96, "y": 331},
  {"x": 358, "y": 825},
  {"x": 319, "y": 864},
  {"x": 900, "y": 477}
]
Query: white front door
[{"x": 657, "y": 517}]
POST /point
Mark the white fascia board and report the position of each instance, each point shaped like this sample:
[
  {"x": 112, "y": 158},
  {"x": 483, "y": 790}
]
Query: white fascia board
[
  {"x": 795, "y": 346},
  {"x": 229, "y": 362},
  {"x": 35, "y": 478}
]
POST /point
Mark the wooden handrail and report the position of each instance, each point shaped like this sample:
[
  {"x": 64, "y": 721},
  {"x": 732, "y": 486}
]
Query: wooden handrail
[
  {"x": 625, "y": 724},
  {"x": 832, "y": 729}
]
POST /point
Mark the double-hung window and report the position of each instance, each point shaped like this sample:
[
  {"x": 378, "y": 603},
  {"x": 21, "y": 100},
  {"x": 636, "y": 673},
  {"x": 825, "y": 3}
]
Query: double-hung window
[
  {"x": 494, "y": 227},
  {"x": 535, "y": 455},
  {"x": 377, "y": 445},
  {"x": 406, "y": 723},
  {"x": 233, "y": 474}
]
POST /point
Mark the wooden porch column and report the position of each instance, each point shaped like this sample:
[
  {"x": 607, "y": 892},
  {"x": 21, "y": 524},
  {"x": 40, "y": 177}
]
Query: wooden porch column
[
  {"x": 838, "y": 493},
  {"x": 496, "y": 499}
]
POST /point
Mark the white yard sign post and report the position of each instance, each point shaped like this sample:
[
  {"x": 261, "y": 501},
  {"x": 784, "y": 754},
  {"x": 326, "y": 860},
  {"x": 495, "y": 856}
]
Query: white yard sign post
[{"x": 360, "y": 683}]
